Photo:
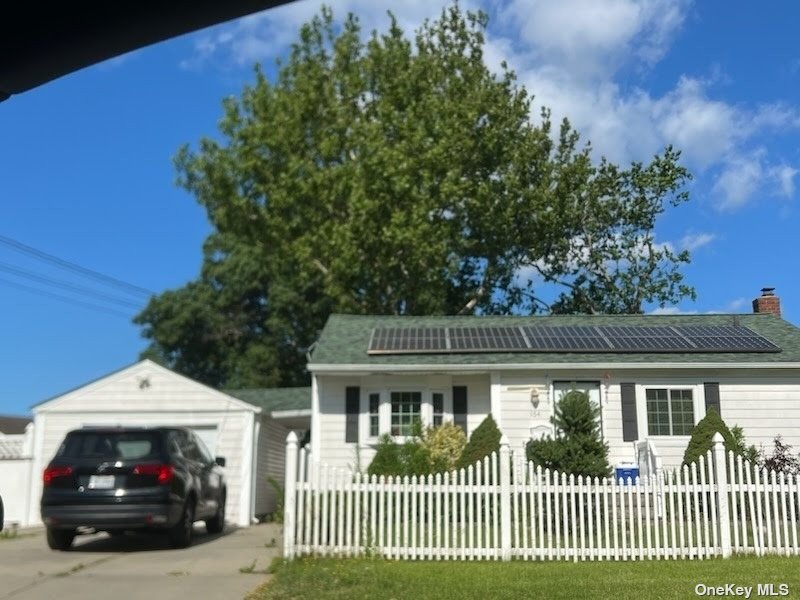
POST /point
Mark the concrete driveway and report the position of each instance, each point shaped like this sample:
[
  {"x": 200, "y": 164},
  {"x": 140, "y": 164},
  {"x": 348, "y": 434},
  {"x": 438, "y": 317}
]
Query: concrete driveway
[{"x": 137, "y": 567}]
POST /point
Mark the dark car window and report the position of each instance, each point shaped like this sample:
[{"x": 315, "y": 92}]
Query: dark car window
[
  {"x": 189, "y": 448},
  {"x": 173, "y": 442},
  {"x": 139, "y": 445},
  {"x": 204, "y": 451}
]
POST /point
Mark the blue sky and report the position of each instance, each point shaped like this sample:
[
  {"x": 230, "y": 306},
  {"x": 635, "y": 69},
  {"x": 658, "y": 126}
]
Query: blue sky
[{"x": 87, "y": 173}]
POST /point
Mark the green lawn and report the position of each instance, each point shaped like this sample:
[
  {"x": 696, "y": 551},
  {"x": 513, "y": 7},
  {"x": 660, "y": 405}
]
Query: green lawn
[{"x": 346, "y": 579}]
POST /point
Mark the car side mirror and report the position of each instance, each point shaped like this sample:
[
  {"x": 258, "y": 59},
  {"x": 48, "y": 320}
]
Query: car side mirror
[{"x": 220, "y": 460}]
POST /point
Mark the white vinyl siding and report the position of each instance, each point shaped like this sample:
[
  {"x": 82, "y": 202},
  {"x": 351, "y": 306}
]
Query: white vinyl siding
[
  {"x": 763, "y": 407},
  {"x": 271, "y": 463},
  {"x": 333, "y": 449},
  {"x": 765, "y": 403}
]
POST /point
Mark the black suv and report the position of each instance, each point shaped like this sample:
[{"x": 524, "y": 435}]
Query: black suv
[{"x": 128, "y": 479}]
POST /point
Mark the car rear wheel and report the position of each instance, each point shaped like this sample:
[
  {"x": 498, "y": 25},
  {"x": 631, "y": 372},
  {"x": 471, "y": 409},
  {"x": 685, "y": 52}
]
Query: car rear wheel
[
  {"x": 180, "y": 535},
  {"x": 60, "y": 539},
  {"x": 217, "y": 523}
]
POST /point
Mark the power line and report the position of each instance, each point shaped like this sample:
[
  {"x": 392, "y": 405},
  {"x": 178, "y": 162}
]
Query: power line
[
  {"x": 67, "y": 299},
  {"x": 71, "y": 266},
  {"x": 94, "y": 294}
]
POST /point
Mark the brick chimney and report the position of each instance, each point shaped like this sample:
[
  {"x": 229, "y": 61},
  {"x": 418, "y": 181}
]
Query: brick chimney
[{"x": 767, "y": 302}]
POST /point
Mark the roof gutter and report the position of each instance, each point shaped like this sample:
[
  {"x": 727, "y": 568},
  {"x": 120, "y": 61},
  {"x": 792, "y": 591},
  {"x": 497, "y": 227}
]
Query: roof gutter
[
  {"x": 456, "y": 368},
  {"x": 291, "y": 414}
]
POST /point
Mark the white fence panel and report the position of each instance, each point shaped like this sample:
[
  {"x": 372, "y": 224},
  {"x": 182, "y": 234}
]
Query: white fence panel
[{"x": 501, "y": 508}]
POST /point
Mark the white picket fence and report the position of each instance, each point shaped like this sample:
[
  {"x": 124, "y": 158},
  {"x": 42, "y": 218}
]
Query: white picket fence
[{"x": 493, "y": 511}]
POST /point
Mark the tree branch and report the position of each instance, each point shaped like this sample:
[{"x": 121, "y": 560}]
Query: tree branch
[
  {"x": 469, "y": 306},
  {"x": 325, "y": 271}
]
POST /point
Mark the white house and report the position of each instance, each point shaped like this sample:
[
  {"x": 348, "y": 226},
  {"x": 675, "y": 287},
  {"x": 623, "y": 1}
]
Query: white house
[
  {"x": 249, "y": 431},
  {"x": 653, "y": 376}
]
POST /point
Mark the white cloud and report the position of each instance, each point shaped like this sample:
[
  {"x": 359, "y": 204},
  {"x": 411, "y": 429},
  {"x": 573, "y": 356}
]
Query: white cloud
[
  {"x": 591, "y": 38},
  {"x": 734, "y": 306},
  {"x": 671, "y": 310},
  {"x": 738, "y": 181},
  {"x": 784, "y": 176},
  {"x": 703, "y": 128},
  {"x": 744, "y": 176},
  {"x": 265, "y": 36},
  {"x": 693, "y": 241},
  {"x": 570, "y": 54},
  {"x": 737, "y": 305}
]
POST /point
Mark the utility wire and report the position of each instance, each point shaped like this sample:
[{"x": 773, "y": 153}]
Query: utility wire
[
  {"x": 93, "y": 294},
  {"x": 71, "y": 266},
  {"x": 67, "y": 299}
]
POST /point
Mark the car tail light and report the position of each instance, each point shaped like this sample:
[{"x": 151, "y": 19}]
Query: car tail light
[
  {"x": 163, "y": 473},
  {"x": 51, "y": 473}
]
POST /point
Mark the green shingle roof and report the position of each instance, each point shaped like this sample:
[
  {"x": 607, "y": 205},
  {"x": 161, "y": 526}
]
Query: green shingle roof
[
  {"x": 275, "y": 399},
  {"x": 345, "y": 339}
]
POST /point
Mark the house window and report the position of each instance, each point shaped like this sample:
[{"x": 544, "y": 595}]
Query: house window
[
  {"x": 438, "y": 408},
  {"x": 406, "y": 410},
  {"x": 669, "y": 412},
  {"x": 374, "y": 422}
]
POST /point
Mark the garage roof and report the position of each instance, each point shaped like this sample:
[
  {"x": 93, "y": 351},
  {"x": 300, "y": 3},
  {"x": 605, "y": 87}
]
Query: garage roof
[
  {"x": 275, "y": 399},
  {"x": 13, "y": 425}
]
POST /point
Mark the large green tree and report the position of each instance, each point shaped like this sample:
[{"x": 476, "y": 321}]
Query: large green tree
[{"x": 399, "y": 175}]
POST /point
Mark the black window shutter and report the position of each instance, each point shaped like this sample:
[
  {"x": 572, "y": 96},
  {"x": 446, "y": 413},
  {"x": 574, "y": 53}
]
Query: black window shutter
[
  {"x": 630, "y": 428},
  {"x": 352, "y": 408},
  {"x": 460, "y": 406},
  {"x": 712, "y": 396}
]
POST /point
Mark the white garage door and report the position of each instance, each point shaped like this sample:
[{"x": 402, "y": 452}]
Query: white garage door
[{"x": 209, "y": 436}]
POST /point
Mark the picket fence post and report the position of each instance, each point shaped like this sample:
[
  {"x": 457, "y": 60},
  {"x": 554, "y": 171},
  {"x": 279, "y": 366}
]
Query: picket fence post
[
  {"x": 505, "y": 498},
  {"x": 723, "y": 512},
  {"x": 290, "y": 495}
]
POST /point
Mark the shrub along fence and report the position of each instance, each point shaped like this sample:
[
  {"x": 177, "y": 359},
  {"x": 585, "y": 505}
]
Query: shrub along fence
[{"x": 500, "y": 508}]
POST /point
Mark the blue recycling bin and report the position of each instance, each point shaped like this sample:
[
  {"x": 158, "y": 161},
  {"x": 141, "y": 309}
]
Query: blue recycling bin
[{"x": 628, "y": 472}]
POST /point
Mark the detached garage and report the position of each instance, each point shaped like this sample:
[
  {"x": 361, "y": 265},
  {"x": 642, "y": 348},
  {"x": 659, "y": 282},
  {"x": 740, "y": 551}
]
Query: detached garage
[{"x": 249, "y": 434}]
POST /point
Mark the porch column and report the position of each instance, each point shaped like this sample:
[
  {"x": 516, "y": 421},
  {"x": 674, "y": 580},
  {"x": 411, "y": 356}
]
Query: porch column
[
  {"x": 316, "y": 444},
  {"x": 494, "y": 396}
]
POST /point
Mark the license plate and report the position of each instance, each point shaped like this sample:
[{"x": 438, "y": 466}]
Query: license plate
[{"x": 101, "y": 482}]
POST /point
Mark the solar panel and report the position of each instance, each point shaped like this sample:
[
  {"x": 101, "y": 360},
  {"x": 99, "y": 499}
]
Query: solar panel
[
  {"x": 727, "y": 339},
  {"x": 399, "y": 340},
  {"x": 647, "y": 339},
  {"x": 486, "y": 338},
  {"x": 568, "y": 338}
]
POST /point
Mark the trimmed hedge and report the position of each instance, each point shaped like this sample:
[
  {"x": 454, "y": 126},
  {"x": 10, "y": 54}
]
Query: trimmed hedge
[
  {"x": 702, "y": 434},
  {"x": 483, "y": 441},
  {"x": 409, "y": 458},
  {"x": 387, "y": 458}
]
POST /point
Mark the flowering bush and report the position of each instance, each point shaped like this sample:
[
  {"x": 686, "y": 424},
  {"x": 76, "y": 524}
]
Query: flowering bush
[{"x": 445, "y": 445}]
